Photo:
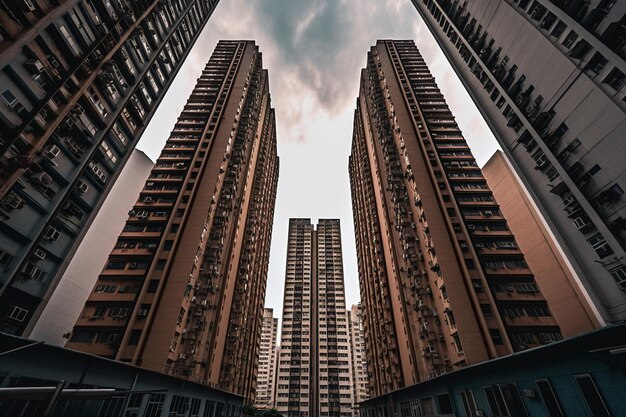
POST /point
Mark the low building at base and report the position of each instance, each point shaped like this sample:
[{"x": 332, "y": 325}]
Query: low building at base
[
  {"x": 582, "y": 376},
  {"x": 39, "y": 379}
]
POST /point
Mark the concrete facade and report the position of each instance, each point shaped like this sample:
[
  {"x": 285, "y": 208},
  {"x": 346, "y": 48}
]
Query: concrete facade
[
  {"x": 314, "y": 370},
  {"x": 572, "y": 310},
  {"x": 443, "y": 282},
  {"x": 68, "y": 300},
  {"x": 80, "y": 80},
  {"x": 266, "y": 376},
  {"x": 183, "y": 289},
  {"x": 358, "y": 359},
  {"x": 549, "y": 79}
]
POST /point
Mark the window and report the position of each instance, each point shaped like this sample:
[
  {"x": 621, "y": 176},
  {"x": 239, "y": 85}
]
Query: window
[
  {"x": 486, "y": 309},
  {"x": 105, "y": 288},
  {"x": 513, "y": 400},
  {"x": 134, "y": 337},
  {"x": 179, "y": 406},
  {"x": 594, "y": 169},
  {"x": 155, "y": 405},
  {"x": 570, "y": 39},
  {"x": 82, "y": 337},
  {"x": 600, "y": 246},
  {"x": 615, "y": 79},
  {"x": 596, "y": 63},
  {"x": 469, "y": 405},
  {"x": 152, "y": 287},
  {"x": 496, "y": 337},
  {"x": 106, "y": 150},
  {"x": 117, "y": 131},
  {"x": 428, "y": 406},
  {"x": 68, "y": 37},
  {"x": 496, "y": 402},
  {"x": 558, "y": 29},
  {"x": 445, "y": 406},
  {"x": 594, "y": 401},
  {"x": 619, "y": 275},
  {"x": 549, "y": 399},
  {"x": 9, "y": 98},
  {"x": 537, "y": 310},
  {"x": 17, "y": 313},
  {"x": 98, "y": 313},
  {"x": 573, "y": 144}
]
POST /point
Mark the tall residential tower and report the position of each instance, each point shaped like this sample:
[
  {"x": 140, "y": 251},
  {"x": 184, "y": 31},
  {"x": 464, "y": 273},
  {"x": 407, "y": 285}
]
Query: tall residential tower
[
  {"x": 79, "y": 82},
  {"x": 183, "y": 289},
  {"x": 358, "y": 359},
  {"x": 443, "y": 282},
  {"x": 266, "y": 375},
  {"x": 314, "y": 373},
  {"x": 549, "y": 78}
]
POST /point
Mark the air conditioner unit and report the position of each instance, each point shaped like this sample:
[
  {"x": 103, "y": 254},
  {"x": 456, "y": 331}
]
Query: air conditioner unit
[
  {"x": 38, "y": 253},
  {"x": 52, "y": 152},
  {"x": 51, "y": 234},
  {"x": 78, "y": 110},
  {"x": 34, "y": 66},
  {"x": 27, "y": 5},
  {"x": 42, "y": 178},
  {"x": 582, "y": 222},
  {"x": 11, "y": 201},
  {"x": 53, "y": 61},
  {"x": 82, "y": 186}
]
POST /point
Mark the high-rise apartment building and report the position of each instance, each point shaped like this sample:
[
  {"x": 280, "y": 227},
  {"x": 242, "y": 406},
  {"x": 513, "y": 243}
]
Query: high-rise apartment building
[
  {"x": 358, "y": 359},
  {"x": 569, "y": 305},
  {"x": 549, "y": 78},
  {"x": 314, "y": 372},
  {"x": 67, "y": 301},
  {"x": 443, "y": 282},
  {"x": 80, "y": 79},
  {"x": 183, "y": 289},
  {"x": 265, "y": 376}
]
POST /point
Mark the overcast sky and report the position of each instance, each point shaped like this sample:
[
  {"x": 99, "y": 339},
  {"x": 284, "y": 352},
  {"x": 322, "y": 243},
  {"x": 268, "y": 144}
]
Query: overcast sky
[{"x": 314, "y": 50}]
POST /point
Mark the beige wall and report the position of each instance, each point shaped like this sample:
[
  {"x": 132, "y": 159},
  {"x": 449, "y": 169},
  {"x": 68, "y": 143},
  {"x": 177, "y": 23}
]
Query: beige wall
[{"x": 565, "y": 297}]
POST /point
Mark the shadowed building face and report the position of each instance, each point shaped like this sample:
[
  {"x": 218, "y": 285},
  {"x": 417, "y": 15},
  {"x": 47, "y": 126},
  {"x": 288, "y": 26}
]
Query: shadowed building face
[
  {"x": 443, "y": 282},
  {"x": 80, "y": 80},
  {"x": 183, "y": 289}
]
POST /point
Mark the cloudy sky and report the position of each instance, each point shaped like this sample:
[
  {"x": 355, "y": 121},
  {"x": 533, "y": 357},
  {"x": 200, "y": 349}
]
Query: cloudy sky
[{"x": 314, "y": 50}]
